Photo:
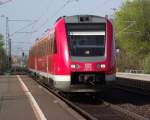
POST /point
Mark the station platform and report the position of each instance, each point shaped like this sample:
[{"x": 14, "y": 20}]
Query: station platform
[
  {"x": 134, "y": 76},
  {"x": 21, "y": 98},
  {"x": 141, "y": 81}
]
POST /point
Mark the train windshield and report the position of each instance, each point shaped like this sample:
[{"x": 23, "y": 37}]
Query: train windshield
[{"x": 86, "y": 44}]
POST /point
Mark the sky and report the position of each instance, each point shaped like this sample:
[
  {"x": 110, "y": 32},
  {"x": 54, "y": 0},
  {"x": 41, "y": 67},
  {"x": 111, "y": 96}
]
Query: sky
[{"x": 40, "y": 15}]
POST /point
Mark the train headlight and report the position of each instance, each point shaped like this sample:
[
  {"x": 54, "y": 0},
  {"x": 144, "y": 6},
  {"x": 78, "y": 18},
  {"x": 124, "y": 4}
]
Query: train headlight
[
  {"x": 73, "y": 66},
  {"x": 103, "y": 66}
]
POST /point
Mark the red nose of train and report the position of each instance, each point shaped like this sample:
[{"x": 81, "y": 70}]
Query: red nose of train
[{"x": 87, "y": 67}]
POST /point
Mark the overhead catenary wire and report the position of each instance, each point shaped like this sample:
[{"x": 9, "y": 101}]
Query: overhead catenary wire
[
  {"x": 24, "y": 27},
  {"x": 42, "y": 15},
  {"x": 44, "y": 23},
  {"x": 22, "y": 42},
  {"x": 51, "y": 17},
  {"x": 102, "y": 5},
  {"x": 55, "y": 13}
]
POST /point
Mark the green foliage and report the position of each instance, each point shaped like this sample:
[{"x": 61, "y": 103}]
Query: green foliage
[
  {"x": 1, "y": 40},
  {"x": 147, "y": 65},
  {"x": 2, "y": 54},
  {"x": 132, "y": 23}
]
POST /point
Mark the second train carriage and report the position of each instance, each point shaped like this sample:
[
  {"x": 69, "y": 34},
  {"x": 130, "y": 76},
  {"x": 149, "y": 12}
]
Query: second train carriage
[{"x": 77, "y": 54}]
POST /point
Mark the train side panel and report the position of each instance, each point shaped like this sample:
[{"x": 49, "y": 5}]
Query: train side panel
[
  {"x": 111, "y": 55},
  {"x": 62, "y": 61}
]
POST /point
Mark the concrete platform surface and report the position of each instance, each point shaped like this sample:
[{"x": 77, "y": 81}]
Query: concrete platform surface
[
  {"x": 134, "y": 76},
  {"x": 15, "y": 104}
]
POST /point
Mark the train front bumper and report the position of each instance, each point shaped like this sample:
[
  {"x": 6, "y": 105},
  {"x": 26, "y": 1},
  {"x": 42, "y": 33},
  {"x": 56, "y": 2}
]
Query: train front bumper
[{"x": 63, "y": 83}]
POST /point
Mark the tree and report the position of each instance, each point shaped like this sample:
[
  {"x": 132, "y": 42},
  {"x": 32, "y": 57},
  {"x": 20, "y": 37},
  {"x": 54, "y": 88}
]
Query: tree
[
  {"x": 132, "y": 23},
  {"x": 1, "y": 40},
  {"x": 2, "y": 54}
]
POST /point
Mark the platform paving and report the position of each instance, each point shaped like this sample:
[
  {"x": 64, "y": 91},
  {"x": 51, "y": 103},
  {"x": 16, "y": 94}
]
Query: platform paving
[
  {"x": 134, "y": 76},
  {"x": 139, "y": 81},
  {"x": 15, "y": 105}
]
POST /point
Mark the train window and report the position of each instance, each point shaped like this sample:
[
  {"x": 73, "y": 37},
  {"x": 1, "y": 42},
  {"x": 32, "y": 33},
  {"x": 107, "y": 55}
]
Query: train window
[
  {"x": 45, "y": 48},
  {"x": 52, "y": 42},
  {"x": 40, "y": 48},
  {"x": 32, "y": 52},
  {"x": 87, "y": 45},
  {"x": 51, "y": 46},
  {"x": 37, "y": 50},
  {"x": 54, "y": 45},
  {"x": 86, "y": 27},
  {"x": 48, "y": 46}
]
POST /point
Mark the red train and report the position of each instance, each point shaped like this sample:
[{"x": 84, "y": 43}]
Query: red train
[{"x": 76, "y": 55}]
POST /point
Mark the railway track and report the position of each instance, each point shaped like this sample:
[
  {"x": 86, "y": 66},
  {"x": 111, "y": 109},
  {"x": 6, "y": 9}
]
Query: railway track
[
  {"x": 69, "y": 103},
  {"x": 138, "y": 103},
  {"x": 136, "y": 90},
  {"x": 135, "y": 84},
  {"x": 103, "y": 109},
  {"x": 106, "y": 111}
]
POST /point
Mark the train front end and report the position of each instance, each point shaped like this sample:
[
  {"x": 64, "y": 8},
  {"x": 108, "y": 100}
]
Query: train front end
[{"x": 91, "y": 52}]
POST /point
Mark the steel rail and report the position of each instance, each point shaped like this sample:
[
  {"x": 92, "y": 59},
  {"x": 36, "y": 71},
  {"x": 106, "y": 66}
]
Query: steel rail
[
  {"x": 87, "y": 115},
  {"x": 127, "y": 112},
  {"x": 133, "y": 89},
  {"x": 70, "y": 104}
]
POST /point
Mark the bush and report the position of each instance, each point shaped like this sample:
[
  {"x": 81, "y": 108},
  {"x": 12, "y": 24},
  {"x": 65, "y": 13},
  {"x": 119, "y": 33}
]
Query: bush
[{"x": 147, "y": 65}]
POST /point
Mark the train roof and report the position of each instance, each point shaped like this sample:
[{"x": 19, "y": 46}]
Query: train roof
[{"x": 83, "y": 19}]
